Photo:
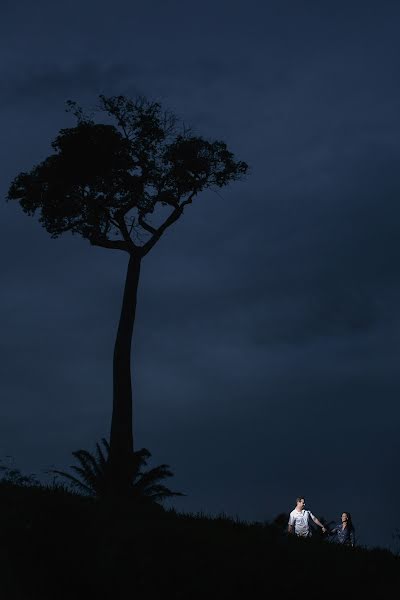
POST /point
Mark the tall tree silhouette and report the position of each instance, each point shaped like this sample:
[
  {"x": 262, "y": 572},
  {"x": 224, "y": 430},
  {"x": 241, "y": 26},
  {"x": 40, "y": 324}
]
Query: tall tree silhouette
[{"x": 106, "y": 182}]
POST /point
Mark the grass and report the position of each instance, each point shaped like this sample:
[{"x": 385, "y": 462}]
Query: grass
[{"x": 56, "y": 544}]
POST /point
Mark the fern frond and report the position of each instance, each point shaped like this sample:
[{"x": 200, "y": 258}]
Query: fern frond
[
  {"x": 88, "y": 461},
  {"x": 160, "y": 492},
  {"x": 153, "y": 476},
  {"x": 102, "y": 460},
  {"x": 76, "y": 482}
]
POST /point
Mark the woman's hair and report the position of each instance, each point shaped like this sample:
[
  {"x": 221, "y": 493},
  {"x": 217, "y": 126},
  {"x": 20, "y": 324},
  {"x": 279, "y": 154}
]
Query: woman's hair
[{"x": 349, "y": 519}]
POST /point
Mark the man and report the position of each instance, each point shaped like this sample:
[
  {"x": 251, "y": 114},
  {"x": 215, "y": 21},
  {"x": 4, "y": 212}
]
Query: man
[{"x": 299, "y": 520}]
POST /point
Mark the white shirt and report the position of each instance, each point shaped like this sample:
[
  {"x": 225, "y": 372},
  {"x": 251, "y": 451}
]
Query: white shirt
[{"x": 300, "y": 520}]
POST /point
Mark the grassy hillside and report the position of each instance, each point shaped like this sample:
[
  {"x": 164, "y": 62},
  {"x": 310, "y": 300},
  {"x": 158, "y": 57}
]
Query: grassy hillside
[{"x": 54, "y": 544}]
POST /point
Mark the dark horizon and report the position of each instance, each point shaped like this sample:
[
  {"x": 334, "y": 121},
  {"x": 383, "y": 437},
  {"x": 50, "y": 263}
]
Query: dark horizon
[{"x": 267, "y": 335}]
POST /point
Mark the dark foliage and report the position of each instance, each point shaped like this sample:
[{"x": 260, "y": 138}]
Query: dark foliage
[
  {"x": 95, "y": 477},
  {"x": 105, "y": 179}
]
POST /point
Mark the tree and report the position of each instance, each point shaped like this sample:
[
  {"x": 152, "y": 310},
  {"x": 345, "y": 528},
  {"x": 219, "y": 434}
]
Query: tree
[{"x": 106, "y": 182}]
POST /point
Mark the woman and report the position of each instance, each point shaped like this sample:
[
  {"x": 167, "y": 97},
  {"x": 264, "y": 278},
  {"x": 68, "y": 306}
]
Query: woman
[{"x": 344, "y": 531}]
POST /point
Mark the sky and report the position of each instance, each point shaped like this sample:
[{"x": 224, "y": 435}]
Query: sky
[{"x": 266, "y": 347}]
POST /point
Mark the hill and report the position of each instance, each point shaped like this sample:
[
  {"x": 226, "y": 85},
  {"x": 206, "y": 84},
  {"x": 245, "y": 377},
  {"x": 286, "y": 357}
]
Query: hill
[{"x": 56, "y": 544}]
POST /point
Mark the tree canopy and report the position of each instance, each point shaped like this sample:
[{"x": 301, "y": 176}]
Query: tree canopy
[{"x": 104, "y": 180}]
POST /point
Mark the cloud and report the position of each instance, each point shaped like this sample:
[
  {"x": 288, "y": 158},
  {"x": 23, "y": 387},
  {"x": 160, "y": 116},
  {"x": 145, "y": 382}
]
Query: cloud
[{"x": 43, "y": 86}]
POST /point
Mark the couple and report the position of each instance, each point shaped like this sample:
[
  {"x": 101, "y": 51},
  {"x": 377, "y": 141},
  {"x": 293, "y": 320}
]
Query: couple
[{"x": 299, "y": 523}]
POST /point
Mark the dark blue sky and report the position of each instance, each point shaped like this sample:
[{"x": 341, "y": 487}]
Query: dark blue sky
[{"x": 267, "y": 342}]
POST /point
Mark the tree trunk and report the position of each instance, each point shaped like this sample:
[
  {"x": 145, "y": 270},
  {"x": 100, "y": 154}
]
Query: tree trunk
[{"x": 121, "y": 436}]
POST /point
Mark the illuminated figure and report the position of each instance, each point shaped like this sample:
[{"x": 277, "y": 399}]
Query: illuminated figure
[
  {"x": 344, "y": 531},
  {"x": 299, "y": 520}
]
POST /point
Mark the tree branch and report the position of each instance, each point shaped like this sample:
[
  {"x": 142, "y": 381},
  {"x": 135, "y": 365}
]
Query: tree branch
[
  {"x": 131, "y": 226},
  {"x": 145, "y": 225},
  {"x": 189, "y": 200},
  {"x": 122, "y": 226},
  {"x": 174, "y": 216},
  {"x": 112, "y": 244},
  {"x": 113, "y": 222}
]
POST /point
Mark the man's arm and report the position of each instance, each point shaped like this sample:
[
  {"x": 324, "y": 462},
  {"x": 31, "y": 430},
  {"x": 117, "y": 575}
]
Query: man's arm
[
  {"x": 290, "y": 524},
  {"x": 317, "y": 522}
]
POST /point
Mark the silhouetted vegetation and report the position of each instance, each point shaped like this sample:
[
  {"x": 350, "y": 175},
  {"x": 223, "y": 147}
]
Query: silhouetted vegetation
[
  {"x": 121, "y": 185},
  {"x": 95, "y": 477},
  {"x": 57, "y": 544}
]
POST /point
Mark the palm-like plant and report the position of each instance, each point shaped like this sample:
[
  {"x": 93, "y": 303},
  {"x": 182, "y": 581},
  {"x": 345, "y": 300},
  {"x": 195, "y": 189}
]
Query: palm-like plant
[{"x": 95, "y": 477}]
